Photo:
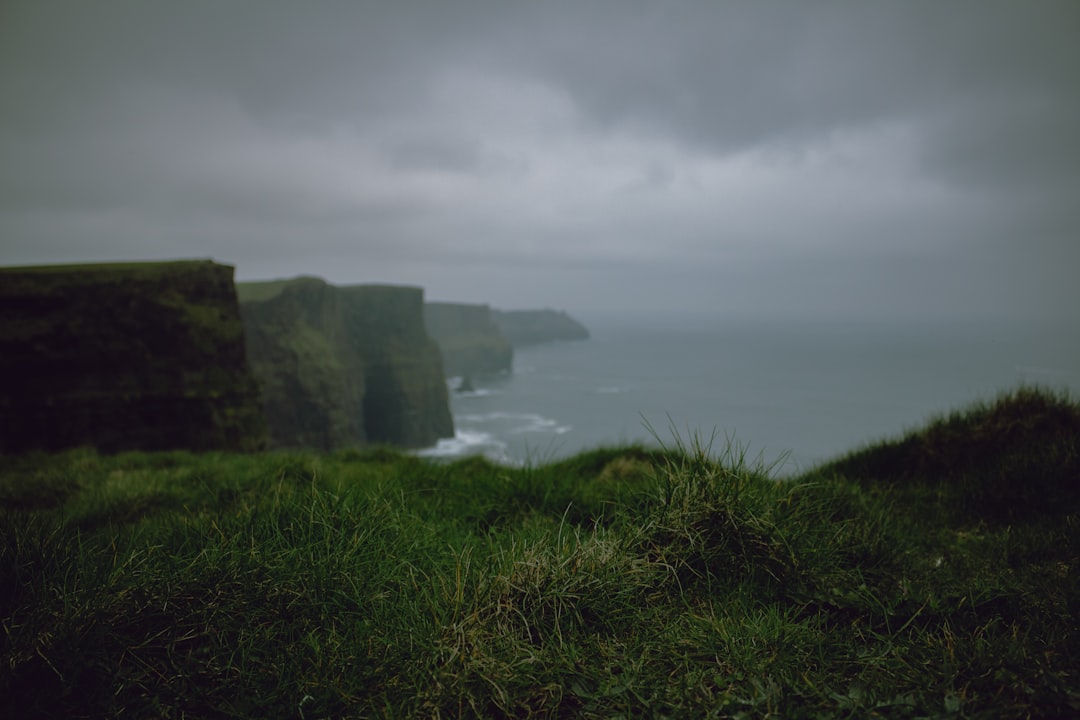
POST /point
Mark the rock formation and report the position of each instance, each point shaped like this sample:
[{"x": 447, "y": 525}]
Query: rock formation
[
  {"x": 345, "y": 366},
  {"x": 529, "y": 327},
  {"x": 143, "y": 356},
  {"x": 468, "y": 338}
]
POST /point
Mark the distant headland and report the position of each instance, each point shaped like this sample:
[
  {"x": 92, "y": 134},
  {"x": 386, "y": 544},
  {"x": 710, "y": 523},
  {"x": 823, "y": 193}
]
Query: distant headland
[
  {"x": 480, "y": 340},
  {"x": 529, "y": 327}
]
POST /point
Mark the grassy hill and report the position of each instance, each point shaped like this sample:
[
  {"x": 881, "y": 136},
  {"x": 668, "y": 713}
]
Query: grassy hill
[{"x": 931, "y": 575}]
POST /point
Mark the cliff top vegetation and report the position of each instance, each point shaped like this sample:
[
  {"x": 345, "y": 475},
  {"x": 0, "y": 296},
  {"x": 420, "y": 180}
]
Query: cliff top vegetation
[
  {"x": 256, "y": 291},
  {"x": 929, "y": 575},
  {"x": 66, "y": 275}
]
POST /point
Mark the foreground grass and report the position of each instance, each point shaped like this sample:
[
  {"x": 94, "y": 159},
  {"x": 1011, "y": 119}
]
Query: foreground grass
[{"x": 935, "y": 575}]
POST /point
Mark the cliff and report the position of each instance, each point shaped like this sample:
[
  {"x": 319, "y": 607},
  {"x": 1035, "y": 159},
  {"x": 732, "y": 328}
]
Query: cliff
[
  {"x": 344, "y": 366},
  {"x": 143, "y": 356},
  {"x": 468, "y": 338},
  {"x": 528, "y": 327}
]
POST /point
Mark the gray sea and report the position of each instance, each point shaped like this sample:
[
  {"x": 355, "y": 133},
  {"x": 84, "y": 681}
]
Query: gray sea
[{"x": 785, "y": 392}]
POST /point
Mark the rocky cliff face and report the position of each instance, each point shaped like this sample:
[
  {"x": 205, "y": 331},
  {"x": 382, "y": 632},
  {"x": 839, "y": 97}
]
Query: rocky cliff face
[
  {"x": 470, "y": 342},
  {"x": 136, "y": 356},
  {"x": 312, "y": 383},
  {"x": 345, "y": 366},
  {"x": 528, "y": 327},
  {"x": 406, "y": 401}
]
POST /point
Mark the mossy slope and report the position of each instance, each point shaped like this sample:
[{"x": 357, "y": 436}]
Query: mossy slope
[{"x": 999, "y": 462}]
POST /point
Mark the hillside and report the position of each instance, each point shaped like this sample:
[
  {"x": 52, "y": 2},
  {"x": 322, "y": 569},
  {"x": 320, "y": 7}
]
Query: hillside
[{"x": 933, "y": 575}]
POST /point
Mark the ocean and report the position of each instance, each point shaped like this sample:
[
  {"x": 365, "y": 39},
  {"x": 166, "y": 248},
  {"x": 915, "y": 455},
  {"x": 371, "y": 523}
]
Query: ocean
[{"x": 790, "y": 394}]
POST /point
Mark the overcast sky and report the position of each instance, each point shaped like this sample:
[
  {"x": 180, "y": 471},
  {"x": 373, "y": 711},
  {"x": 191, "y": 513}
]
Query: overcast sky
[{"x": 877, "y": 159}]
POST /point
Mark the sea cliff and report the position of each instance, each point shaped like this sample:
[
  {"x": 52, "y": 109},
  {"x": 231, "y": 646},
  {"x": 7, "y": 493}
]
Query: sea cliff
[
  {"x": 145, "y": 356},
  {"x": 470, "y": 342},
  {"x": 529, "y": 327},
  {"x": 345, "y": 366}
]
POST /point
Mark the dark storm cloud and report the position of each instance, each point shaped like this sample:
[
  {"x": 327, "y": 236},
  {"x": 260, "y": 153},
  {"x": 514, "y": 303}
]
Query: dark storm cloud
[
  {"x": 516, "y": 152},
  {"x": 990, "y": 84}
]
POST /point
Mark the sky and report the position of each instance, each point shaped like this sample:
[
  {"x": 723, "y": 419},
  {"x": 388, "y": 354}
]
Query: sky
[{"x": 817, "y": 159}]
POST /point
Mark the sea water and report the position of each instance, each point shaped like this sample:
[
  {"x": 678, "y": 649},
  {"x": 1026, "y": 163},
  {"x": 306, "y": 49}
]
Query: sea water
[{"x": 790, "y": 393}]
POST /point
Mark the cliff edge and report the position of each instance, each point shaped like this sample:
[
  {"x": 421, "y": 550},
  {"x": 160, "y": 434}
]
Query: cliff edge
[
  {"x": 344, "y": 366},
  {"x": 529, "y": 327},
  {"x": 146, "y": 356},
  {"x": 468, "y": 338}
]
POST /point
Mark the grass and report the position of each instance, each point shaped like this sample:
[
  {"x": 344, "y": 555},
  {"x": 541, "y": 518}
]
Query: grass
[{"x": 930, "y": 576}]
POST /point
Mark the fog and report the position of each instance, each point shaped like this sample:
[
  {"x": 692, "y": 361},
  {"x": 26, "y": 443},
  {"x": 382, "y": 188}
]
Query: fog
[{"x": 820, "y": 159}]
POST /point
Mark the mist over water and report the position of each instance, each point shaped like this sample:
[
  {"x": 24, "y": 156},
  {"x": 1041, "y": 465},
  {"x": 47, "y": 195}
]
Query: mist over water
[{"x": 798, "y": 391}]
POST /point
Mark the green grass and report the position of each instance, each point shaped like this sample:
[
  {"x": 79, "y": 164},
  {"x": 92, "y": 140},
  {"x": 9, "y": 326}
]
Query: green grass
[
  {"x": 150, "y": 267},
  {"x": 256, "y": 291},
  {"x": 930, "y": 576}
]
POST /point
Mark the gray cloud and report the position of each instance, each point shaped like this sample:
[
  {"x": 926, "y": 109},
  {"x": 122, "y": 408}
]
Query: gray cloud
[{"x": 820, "y": 157}]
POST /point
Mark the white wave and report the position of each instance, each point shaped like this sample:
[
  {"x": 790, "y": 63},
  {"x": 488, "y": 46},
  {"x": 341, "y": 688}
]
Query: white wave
[
  {"x": 532, "y": 423},
  {"x": 478, "y": 392},
  {"x": 517, "y": 422},
  {"x": 486, "y": 417},
  {"x": 465, "y": 442}
]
